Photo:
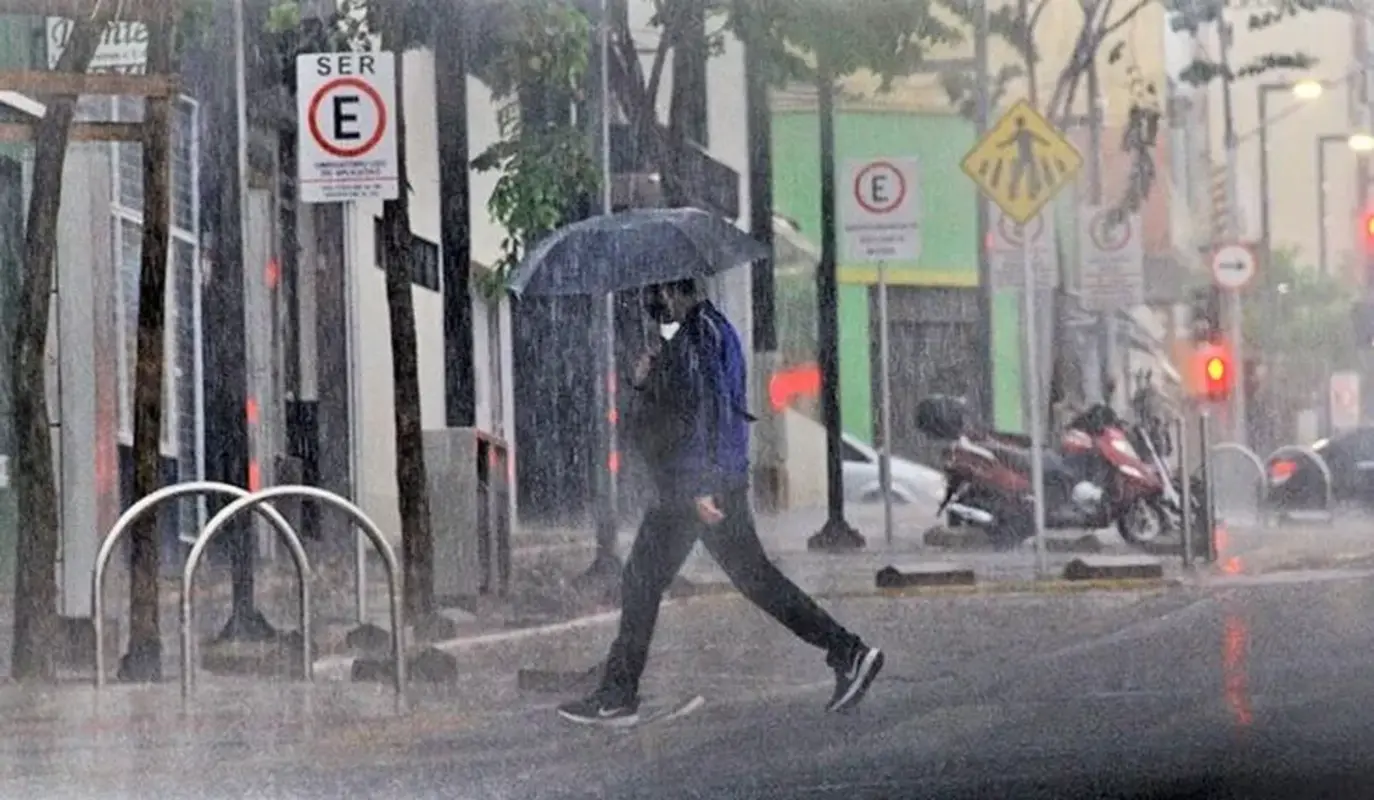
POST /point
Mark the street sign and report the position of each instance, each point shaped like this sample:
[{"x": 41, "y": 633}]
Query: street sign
[
  {"x": 1345, "y": 400},
  {"x": 1022, "y": 162},
  {"x": 881, "y": 213},
  {"x": 346, "y": 127},
  {"x": 1006, "y": 238},
  {"x": 1112, "y": 258},
  {"x": 1233, "y": 265},
  {"x": 123, "y": 46}
]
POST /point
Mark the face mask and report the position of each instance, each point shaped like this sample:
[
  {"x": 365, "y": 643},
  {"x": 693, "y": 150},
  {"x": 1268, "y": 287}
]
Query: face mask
[
  {"x": 668, "y": 330},
  {"x": 657, "y": 309}
]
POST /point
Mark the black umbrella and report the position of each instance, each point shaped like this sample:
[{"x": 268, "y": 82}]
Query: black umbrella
[{"x": 631, "y": 250}]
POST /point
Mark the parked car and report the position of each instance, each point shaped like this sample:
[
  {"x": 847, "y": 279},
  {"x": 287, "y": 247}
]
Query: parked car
[
  {"x": 1294, "y": 483},
  {"x": 911, "y": 482}
]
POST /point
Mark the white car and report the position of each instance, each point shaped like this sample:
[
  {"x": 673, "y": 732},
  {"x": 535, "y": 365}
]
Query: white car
[{"x": 911, "y": 482}]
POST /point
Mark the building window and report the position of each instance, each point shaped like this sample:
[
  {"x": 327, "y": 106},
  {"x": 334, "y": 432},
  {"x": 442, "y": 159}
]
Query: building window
[
  {"x": 183, "y": 417},
  {"x": 424, "y": 257}
]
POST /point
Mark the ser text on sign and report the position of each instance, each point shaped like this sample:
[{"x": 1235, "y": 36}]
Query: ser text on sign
[{"x": 346, "y": 129}]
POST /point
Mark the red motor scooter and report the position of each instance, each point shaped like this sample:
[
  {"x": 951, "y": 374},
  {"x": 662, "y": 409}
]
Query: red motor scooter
[{"x": 1094, "y": 478}]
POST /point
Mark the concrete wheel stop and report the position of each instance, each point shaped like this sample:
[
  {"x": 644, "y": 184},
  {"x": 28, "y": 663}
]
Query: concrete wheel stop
[
  {"x": 928, "y": 574},
  {"x": 428, "y": 665},
  {"x": 1104, "y": 568}
]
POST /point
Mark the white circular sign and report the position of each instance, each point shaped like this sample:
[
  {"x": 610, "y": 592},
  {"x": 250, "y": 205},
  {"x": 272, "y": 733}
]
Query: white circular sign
[
  {"x": 880, "y": 188},
  {"x": 1233, "y": 266}
]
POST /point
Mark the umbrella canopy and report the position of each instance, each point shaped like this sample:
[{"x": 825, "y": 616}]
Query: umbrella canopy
[{"x": 631, "y": 250}]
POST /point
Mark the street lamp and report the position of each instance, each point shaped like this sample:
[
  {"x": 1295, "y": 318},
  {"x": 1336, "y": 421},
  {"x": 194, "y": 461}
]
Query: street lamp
[
  {"x": 1356, "y": 143},
  {"x": 1308, "y": 89}
]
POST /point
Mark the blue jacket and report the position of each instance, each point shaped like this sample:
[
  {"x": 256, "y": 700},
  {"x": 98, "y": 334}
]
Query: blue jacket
[{"x": 694, "y": 405}]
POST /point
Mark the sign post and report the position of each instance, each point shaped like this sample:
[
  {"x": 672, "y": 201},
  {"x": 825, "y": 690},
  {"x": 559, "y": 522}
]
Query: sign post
[
  {"x": 1021, "y": 163},
  {"x": 346, "y": 127},
  {"x": 1233, "y": 266},
  {"x": 881, "y": 218}
]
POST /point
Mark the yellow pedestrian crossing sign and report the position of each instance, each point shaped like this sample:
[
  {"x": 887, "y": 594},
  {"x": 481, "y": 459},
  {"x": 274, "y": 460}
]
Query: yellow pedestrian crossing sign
[{"x": 1022, "y": 162}]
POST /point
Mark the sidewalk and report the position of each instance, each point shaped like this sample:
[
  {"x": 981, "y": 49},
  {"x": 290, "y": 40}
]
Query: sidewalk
[{"x": 547, "y": 562}]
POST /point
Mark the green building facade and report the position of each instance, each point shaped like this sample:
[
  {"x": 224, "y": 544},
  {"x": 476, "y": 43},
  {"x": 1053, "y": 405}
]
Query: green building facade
[{"x": 932, "y": 300}]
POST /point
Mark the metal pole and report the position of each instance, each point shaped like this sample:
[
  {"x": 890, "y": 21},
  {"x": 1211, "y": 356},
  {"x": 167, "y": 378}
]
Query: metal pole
[
  {"x": 1237, "y": 330},
  {"x": 1321, "y": 205},
  {"x": 1186, "y": 490},
  {"x": 1208, "y": 500},
  {"x": 1109, "y": 353},
  {"x": 980, "y": 123},
  {"x": 1264, "y": 168},
  {"x": 1033, "y": 383},
  {"x": 885, "y": 400}
]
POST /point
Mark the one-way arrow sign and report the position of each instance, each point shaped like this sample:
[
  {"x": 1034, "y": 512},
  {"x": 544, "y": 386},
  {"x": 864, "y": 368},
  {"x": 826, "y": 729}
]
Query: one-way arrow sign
[{"x": 1233, "y": 266}]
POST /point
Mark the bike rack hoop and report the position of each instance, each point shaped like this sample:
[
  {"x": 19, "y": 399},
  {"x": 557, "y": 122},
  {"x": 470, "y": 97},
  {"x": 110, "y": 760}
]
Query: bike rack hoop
[
  {"x": 216, "y": 525},
  {"x": 152, "y": 501},
  {"x": 1325, "y": 469}
]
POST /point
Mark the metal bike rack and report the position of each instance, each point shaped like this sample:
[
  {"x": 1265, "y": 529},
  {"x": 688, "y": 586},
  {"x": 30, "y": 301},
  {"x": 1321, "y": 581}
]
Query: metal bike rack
[
  {"x": 1313, "y": 456},
  {"x": 1253, "y": 460},
  {"x": 152, "y": 501},
  {"x": 243, "y": 504}
]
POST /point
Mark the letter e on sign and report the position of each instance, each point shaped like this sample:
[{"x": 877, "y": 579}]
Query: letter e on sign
[{"x": 346, "y": 127}]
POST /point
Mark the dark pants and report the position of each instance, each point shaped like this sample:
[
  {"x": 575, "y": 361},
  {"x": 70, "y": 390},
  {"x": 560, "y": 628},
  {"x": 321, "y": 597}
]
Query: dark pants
[{"x": 664, "y": 541}]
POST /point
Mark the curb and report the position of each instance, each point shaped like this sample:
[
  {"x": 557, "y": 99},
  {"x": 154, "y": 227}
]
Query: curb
[{"x": 1048, "y": 586}]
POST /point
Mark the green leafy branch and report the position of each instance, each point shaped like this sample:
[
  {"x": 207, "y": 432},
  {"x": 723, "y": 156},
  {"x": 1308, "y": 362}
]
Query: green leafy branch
[{"x": 547, "y": 171}]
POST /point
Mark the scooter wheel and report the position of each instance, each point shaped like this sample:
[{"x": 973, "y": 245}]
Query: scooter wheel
[{"x": 1142, "y": 523}]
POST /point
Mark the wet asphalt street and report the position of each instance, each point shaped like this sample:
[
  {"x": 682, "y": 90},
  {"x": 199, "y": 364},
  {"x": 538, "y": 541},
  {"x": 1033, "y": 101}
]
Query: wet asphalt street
[{"x": 1250, "y": 687}]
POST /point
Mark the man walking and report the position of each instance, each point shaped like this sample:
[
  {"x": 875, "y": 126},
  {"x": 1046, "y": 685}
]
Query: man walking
[{"x": 691, "y": 425}]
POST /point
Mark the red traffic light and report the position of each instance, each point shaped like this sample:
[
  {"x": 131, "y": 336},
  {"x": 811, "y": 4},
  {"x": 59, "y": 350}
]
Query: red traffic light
[{"x": 1216, "y": 373}]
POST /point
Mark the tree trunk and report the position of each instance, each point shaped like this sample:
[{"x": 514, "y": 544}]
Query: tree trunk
[
  {"x": 35, "y": 585},
  {"x": 144, "y": 660},
  {"x": 411, "y": 478}
]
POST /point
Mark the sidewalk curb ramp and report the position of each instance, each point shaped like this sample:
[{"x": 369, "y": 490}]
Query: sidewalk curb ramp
[
  {"x": 1099, "y": 568},
  {"x": 930, "y": 574}
]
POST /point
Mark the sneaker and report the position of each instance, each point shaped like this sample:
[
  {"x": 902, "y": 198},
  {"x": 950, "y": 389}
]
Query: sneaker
[
  {"x": 853, "y": 676},
  {"x": 598, "y": 709}
]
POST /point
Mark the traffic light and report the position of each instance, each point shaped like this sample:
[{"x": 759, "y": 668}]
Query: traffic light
[
  {"x": 1216, "y": 371},
  {"x": 1206, "y": 314},
  {"x": 1367, "y": 232}
]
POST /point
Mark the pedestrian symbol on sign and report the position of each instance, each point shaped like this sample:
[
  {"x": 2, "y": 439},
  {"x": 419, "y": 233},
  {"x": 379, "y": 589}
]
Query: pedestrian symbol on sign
[{"x": 1022, "y": 162}]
